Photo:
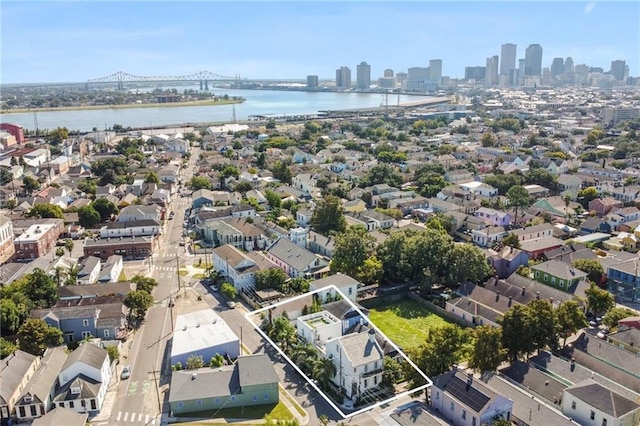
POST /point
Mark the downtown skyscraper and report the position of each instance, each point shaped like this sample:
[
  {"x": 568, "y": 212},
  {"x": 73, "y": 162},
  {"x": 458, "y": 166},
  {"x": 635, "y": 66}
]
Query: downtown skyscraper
[
  {"x": 507, "y": 58},
  {"x": 533, "y": 60}
]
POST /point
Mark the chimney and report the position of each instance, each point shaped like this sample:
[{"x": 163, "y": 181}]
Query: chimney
[
  {"x": 510, "y": 300},
  {"x": 537, "y": 295},
  {"x": 372, "y": 335},
  {"x": 551, "y": 300},
  {"x": 523, "y": 290},
  {"x": 497, "y": 296},
  {"x": 469, "y": 380}
]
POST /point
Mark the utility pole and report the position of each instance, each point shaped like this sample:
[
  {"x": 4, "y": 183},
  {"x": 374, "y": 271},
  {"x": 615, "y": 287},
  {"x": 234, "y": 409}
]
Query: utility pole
[{"x": 178, "y": 270}]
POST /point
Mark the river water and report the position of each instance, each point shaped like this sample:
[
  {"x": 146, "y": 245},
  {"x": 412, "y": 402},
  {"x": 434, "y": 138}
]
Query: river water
[{"x": 258, "y": 102}]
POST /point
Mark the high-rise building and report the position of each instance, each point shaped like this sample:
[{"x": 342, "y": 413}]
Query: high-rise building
[
  {"x": 435, "y": 70},
  {"x": 617, "y": 69},
  {"x": 507, "y": 58},
  {"x": 568, "y": 64},
  {"x": 474, "y": 73},
  {"x": 343, "y": 78},
  {"x": 533, "y": 60},
  {"x": 363, "y": 76},
  {"x": 491, "y": 77},
  {"x": 312, "y": 81},
  {"x": 557, "y": 67},
  {"x": 388, "y": 73},
  {"x": 417, "y": 79}
]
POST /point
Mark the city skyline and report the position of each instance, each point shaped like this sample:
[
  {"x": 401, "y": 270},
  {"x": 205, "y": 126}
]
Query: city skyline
[{"x": 295, "y": 39}]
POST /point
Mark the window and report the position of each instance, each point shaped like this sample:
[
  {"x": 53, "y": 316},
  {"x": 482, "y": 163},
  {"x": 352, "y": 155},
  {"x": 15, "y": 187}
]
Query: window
[
  {"x": 452, "y": 407},
  {"x": 561, "y": 283},
  {"x": 199, "y": 402},
  {"x": 85, "y": 323},
  {"x": 217, "y": 400},
  {"x": 546, "y": 278},
  {"x": 437, "y": 395},
  {"x": 553, "y": 280},
  {"x": 604, "y": 422},
  {"x": 366, "y": 383},
  {"x": 375, "y": 380},
  {"x": 255, "y": 398},
  {"x": 180, "y": 404},
  {"x": 70, "y": 404},
  {"x": 106, "y": 333},
  {"x": 593, "y": 415},
  {"x": 473, "y": 421},
  {"x": 350, "y": 290},
  {"x": 22, "y": 412},
  {"x": 537, "y": 274},
  {"x": 61, "y": 404},
  {"x": 266, "y": 396},
  {"x": 86, "y": 334},
  {"x": 34, "y": 412},
  {"x": 233, "y": 398},
  {"x": 464, "y": 414},
  {"x": 573, "y": 405},
  {"x": 83, "y": 402},
  {"x": 93, "y": 404}
]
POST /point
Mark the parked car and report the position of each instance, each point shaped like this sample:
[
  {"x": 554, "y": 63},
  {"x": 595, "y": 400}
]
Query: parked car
[
  {"x": 126, "y": 372},
  {"x": 231, "y": 304},
  {"x": 171, "y": 215}
]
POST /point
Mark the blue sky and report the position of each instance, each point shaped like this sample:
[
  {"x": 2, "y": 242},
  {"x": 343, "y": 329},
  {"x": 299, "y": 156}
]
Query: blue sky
[{"x": 47, "y": 41}]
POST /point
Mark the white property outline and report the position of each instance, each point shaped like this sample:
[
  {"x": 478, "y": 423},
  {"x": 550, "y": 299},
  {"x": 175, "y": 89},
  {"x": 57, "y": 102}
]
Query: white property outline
[{"x": 248, "y": 316}]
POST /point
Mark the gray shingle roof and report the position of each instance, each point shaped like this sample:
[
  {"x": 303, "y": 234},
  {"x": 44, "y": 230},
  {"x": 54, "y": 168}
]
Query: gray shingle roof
[
  {"x": 61, "y": 416},
  {"x": 359, "y": 349},
  {"x": 14, "y": 368},
  {"x": 256, "y": 370},
  {"x": 603, "y": 399},
  {"x": 291, "y": 254},
  {"x": 88, "y": 354},
  {"x": 475, "y": 396}
]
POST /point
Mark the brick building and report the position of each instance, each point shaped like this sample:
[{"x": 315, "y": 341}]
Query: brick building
[
  {"x": 7, "y": 249},
  {"x": 15, "y": 130},
  {"x": 130, "y": 248},
  {"x": 38, "y": 239}
]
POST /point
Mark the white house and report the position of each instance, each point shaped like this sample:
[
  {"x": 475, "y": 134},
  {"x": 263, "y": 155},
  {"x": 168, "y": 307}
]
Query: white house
[
  {"x": 305, "y": 182},
  {"x": 238, "y": 267},
  {"x": 130, "y": 213},
  {"x": 488, "y": 236},
  {"x": 111, "y": 270},
  {"x": 89, "y": 271},
  {"x": 590, "y": 403},
  {"x": 296, "y": 261},
  {"x": 132, "y": 228},
  {"x": 464, "y": 401},
  {"x": 178, "y": 145},
  {"x": 494, "y": 217},
  {"x": 347, "y": 285},
  {"x": 533, "y": 232},
  {"x": 84, "y": 379}
]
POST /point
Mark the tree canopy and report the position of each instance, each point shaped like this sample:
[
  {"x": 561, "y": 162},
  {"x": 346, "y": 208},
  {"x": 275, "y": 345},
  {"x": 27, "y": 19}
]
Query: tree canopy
[
  {"x": 46, "y": 211},
  {"x": 35, "y": 336},
  {"x": 353, "y": 248},
  {"x": 328, "y": 216}
]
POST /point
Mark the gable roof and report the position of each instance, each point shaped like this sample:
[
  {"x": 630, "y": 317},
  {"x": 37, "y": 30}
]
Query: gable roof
[
  {"x": 359, "y": 348},
  {"x": 88, "y": 354},
  {"x": 291, "y": 254},
  {"x": 256, "y": 370},
  {"x": 472, "y": 393},
  {"x": 61, "y": 416},
  {"x": 602, "y": 398}
]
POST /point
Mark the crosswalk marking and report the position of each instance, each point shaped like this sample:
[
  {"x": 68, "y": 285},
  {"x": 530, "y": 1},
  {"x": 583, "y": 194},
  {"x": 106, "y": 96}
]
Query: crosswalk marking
[{"x": 135, "y": 418}]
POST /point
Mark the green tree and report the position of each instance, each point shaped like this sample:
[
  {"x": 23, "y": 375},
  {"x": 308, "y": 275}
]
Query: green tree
[
  {"x": 614, "y": 315},
  {"x": 151, "y": 177},
  {"x": 511, "y": 240},
  {"x": 199, "y": 182},
  {"x": 282, "y": 172},
  {"x": 10, "y": 316},
  {"x": 35, "y": 336},
  {"x": 352, "y": 248},
  {"x": 517, "y": 333},
  {"x": 105, "y": 208},
  {"x": 6, "y": 348},
  {"x": 585, "y": 196},
  {"x": 428, "y": 182},
  {"x": 88, "y": 217},
  {"x": 68, "y": 244},
  {"x": 146, "y": 284},
  {"x": 271, "y": 124},
  {"x": 487, "y": 353},
  {"x": 46, "y": 211},
  {"x": 30, "y": 184},
  {"x": 138, "y": 302},
  {"x": 41, "y": 289},
  {"x": 391, "y": 373},
  {"x": 216, "y": 361},
  {"x": 243, "y": 187},
  {"x": 599, "y": 300},
  {"x": 518, "y": 198},
  {"x": 88, "y": 186},
  {"x": 382, "y": 173},
  {"x": 468, "y": 263},
  {"x": 273, "y": 198},
  {"x": 58, "y": 135},
  {"x": 570, "y": 319},
  {"x": 298, "y": 285},
  {"x": 273, "y": 278},
  {"x": 540, "y": 176},
  {"x": 113, "y": 352},
  {"x": 438, "y": 353},
  {"x": 328, "y": 216},
  {"x": 305, "y": 355},
  {"x": 228, "y": 291},
  {"x": 488, "y": 139},
  {"x": 323, "y": 371},
  {"x": 543, "y": 323},
  {"x": 592, "y": 267},
  {"x": 283, "y": 334},
  {"x": 59, "y": 252},
  {"x": 194, "y": 362}
]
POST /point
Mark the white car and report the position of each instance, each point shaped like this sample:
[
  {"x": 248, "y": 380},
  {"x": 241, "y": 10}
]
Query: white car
[
  {"x": 231, "y": 304},
  {"x": 126, "y": 372}
]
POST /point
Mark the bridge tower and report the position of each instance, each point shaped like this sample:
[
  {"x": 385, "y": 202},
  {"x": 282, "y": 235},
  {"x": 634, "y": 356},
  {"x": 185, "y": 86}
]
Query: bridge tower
[
  {"x": 201, "y": 85},
  {"x": 206, "y": 85}
]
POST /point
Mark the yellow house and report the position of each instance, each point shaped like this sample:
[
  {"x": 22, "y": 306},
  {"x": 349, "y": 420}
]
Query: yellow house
[
  {"x": 355, "y": 206},
  {"x": 624, "y": 241}
]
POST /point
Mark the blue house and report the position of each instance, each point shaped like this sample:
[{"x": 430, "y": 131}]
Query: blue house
[
  {"x": 624, "y": 279},
  {"x": 202, "y": 197}
]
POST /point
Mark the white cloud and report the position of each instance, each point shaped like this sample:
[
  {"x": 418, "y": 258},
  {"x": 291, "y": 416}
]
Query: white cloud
[{"x": 588, "y": 8}]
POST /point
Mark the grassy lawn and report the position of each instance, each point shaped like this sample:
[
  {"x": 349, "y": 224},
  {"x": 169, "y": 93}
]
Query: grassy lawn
[
  {"x": 183, "y": 272},
  {"x": 258, "y": 412},
  {"x": 405, "y": 322},
  {"x": 203, "y": 265},
  {"x": 198, "y": 276}
]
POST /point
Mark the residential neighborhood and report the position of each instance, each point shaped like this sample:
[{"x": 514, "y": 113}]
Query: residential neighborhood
[{"x": 484, "y": 252}]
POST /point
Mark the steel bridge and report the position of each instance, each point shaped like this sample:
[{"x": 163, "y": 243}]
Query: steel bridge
[{"x": 203, "y": 77}]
